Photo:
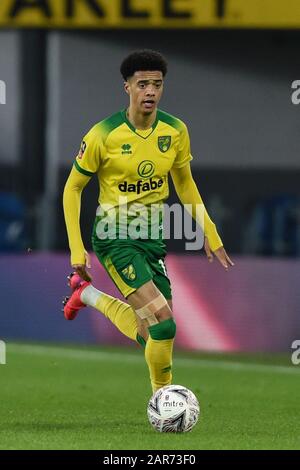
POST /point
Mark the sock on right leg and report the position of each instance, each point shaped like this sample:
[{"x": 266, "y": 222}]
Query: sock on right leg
[{"x": 119, "y": 313}]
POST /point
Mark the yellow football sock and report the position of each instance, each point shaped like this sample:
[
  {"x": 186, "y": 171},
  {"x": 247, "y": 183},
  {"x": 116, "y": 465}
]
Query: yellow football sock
[
  {"x": 158, "y": 353},
  {"x": 119, "y": 313}
]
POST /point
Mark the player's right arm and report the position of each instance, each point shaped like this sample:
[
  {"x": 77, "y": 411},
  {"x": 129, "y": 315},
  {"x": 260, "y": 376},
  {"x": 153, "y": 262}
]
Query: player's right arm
[
  {"x": 72, "y": 205},
  {"x": 85, "y": 165}
]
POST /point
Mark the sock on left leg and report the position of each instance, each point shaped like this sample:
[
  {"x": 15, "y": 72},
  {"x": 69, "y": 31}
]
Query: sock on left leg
[{"x": 158, "y": 353}]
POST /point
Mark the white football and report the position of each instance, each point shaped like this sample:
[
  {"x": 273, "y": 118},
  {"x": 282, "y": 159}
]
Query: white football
[{"x": 173, "y": 408}]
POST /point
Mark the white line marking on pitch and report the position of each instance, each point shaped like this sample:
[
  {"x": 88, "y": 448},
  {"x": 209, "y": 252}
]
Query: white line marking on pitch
[{"x": 67, "y": 353}]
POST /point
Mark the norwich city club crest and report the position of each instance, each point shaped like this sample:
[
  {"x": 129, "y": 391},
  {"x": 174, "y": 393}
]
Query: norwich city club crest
[
  {"x": 129, "y": 273},
  {"x": 164, "y": 143}
]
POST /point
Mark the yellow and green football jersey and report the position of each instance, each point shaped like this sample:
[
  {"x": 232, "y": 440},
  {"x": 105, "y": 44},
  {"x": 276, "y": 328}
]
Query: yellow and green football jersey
[{"x": 134, "y": 163}]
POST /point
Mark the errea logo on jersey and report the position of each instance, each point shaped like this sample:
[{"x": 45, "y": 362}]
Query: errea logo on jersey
[{"x": 126, "y": 149}]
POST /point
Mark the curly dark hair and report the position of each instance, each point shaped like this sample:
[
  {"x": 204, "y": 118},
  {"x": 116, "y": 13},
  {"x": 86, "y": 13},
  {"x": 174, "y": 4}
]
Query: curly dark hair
[{"x": 145, "y": 59}]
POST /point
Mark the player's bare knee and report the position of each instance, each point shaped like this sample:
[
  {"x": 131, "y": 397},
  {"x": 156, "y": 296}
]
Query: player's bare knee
[
  {"x": 151, "y": 310},
  {"x": 164, "y": 314},
  {"x": 157, "y": 312},
  {"x": 143, "y": 328}
]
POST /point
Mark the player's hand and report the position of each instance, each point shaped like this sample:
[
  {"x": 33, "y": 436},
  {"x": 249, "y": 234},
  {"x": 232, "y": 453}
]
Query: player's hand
[
  {"x": 81, "y": 269},
  {"x": 220, "y": 254}
]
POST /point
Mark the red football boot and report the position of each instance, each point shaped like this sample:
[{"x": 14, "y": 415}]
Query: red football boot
[{"x": 73, "y": 304}]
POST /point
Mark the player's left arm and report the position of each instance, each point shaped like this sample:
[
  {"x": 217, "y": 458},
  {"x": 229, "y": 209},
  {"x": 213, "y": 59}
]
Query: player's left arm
[{"x": 188, "y": 193}]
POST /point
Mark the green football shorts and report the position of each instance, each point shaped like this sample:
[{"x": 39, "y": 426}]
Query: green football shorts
[{"x": 131, "y": 263}]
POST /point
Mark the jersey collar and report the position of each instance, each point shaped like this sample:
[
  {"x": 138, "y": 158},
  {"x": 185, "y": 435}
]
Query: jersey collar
[{"x": 131, "y": 127}]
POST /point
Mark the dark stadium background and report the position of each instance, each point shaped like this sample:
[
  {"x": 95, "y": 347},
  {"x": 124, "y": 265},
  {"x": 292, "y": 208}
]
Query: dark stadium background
[{"x": 233, "y": 89}]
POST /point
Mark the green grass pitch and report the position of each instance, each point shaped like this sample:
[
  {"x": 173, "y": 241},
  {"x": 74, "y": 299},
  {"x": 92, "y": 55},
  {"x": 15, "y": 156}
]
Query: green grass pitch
[{"x": 67, "y": 397}]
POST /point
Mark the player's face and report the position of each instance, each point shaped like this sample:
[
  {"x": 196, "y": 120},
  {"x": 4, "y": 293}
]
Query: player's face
[{"x": 145, "y": 90}]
